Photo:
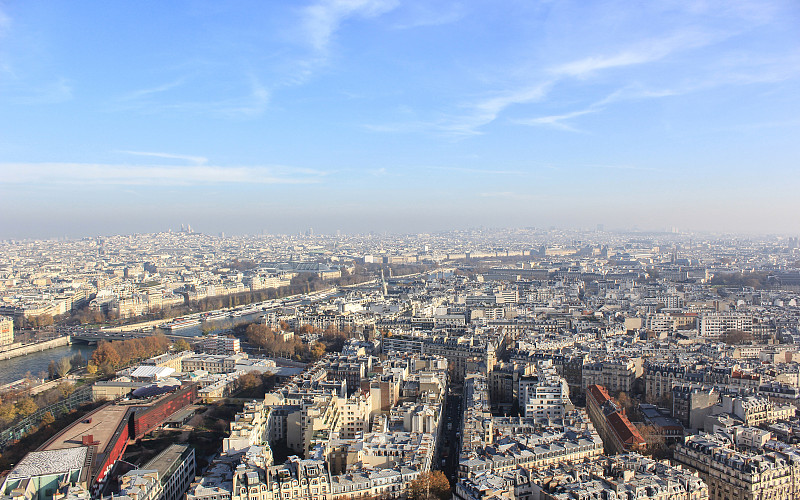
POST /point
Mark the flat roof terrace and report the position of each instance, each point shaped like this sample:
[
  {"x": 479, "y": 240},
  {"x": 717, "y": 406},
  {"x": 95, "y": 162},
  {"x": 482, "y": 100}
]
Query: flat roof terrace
[{"x": 101, "y": 424}]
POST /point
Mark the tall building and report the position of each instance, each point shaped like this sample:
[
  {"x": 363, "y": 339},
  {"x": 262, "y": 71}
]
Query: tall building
[
  {"x": 6, "y": 330},
  {"x": 544, "y": 395},
  {"x": 733, "y": 474},
  {"x": 175, "y": 469}
]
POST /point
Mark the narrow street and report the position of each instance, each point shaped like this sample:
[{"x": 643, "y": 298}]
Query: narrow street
[{"x": 451, "y": 432}]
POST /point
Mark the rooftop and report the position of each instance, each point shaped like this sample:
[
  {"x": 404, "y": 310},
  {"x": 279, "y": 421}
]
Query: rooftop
[
  {"x": 101, "y": 424},
  {"x": 40, "y": 463}
]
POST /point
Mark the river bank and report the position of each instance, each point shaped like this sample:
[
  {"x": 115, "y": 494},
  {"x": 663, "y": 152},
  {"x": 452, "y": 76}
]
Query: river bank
[
  {"x": 24, "y": 350},
  {"x": 36, "y": 362}
]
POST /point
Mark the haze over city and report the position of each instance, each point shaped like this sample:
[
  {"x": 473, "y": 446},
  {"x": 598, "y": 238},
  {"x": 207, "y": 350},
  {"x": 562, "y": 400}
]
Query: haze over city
[{"x": 375, "y": 115}]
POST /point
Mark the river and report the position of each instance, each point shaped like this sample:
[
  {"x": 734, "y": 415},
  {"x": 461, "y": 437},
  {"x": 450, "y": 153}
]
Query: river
[
  {"x": 37, "y": 362},
  {"x": 216, "y": 326}
]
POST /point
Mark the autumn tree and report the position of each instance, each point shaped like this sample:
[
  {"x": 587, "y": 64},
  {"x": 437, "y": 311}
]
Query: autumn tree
[
  {"x": 26, "y": 406},
  {"x": 259, "y": 335},
  {"x": 737, "y": 337},
  {"x": 430, "y": 485},
  {"x": 41, "y": 321},
  {"x": 181, "y": 345},
  {"x": 8, "y": 412},
  {"x": 249, "y": 380},
  {"x": 66, "y": 388},
  {"x": 655, "y": 442},
  {"x": 317, "y": 350},
  {"x": 625, "y": 402},
  {"x": 124, "y": 352},
  {"x": 105, "y": 354},
  {"x": 48, "y": 418}
]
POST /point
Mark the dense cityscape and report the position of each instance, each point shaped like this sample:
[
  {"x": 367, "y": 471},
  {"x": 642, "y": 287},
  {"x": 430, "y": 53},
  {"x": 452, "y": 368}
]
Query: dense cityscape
[
  {"x": 400, "y": 249},
  {"x": 478, "y": 364}
]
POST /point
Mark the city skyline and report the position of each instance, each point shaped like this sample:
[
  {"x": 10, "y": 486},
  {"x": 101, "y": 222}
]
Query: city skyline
[{"x": 374, "y": 115}]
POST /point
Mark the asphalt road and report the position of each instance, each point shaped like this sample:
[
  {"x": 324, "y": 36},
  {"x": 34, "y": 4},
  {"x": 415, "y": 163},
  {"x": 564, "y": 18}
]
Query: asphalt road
[{"x": 451, "y": 433}]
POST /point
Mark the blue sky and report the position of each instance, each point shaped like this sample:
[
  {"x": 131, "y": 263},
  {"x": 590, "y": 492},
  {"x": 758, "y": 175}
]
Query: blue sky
[{"x": 362, "y": 115}]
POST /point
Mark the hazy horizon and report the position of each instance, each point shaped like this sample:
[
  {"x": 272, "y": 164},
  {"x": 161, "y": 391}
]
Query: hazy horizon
[
  {"x": 671, "y": 233},
  {"x": 380, "y": 115}
]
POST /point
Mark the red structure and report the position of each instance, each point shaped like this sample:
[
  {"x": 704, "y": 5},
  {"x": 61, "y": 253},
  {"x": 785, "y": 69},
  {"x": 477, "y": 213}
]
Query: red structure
[
  {"x": 109, "y": 456},
  {"x": 618, "y": 433},
  {"x": 145, "y": 419},
  {"x": 108, "y": 429}
]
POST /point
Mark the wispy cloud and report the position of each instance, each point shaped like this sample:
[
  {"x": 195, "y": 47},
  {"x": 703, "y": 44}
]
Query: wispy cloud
[
  {"x": 250, "y": 103},
  {"x": 424, "y": 15},
  {"x": 253, "y": 105},
  {"x": 152, "y": 175},
  {"x": 138, "y": 94},
  {"x": 557, "y": 121},
  {"x": 483, "y": 111},
  {"x": 199, "y": 160},
  {"x": 624, "y": 167},
  {"x": 645, "y": 51},
  {"x": 5, "y": 22},
  {"x": 322, "y": 19},
  {"x": 487, "y": 110},
  {"x": 53, "y": 92},
  {"x": 483, "y": 171}
]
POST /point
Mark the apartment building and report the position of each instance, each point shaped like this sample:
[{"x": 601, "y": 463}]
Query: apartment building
[{"x": 732, "y": 474}]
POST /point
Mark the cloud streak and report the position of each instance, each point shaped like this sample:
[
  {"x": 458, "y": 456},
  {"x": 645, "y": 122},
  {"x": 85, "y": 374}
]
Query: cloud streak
[
  {"x": 252, "y": 102},
  {"x": 322, "y": 19},
  {"x": 487, "y": 110},
  {"x": 484, "y": 111},
  {"x": 557, "y": 121},
  {"x": 485, "y": 171},
  {"x": 138, "y": 94},
  {"x": 645, "y": 52},
  {"x": 152, "y": 175},
  {"x": 199, "y": 160}
]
